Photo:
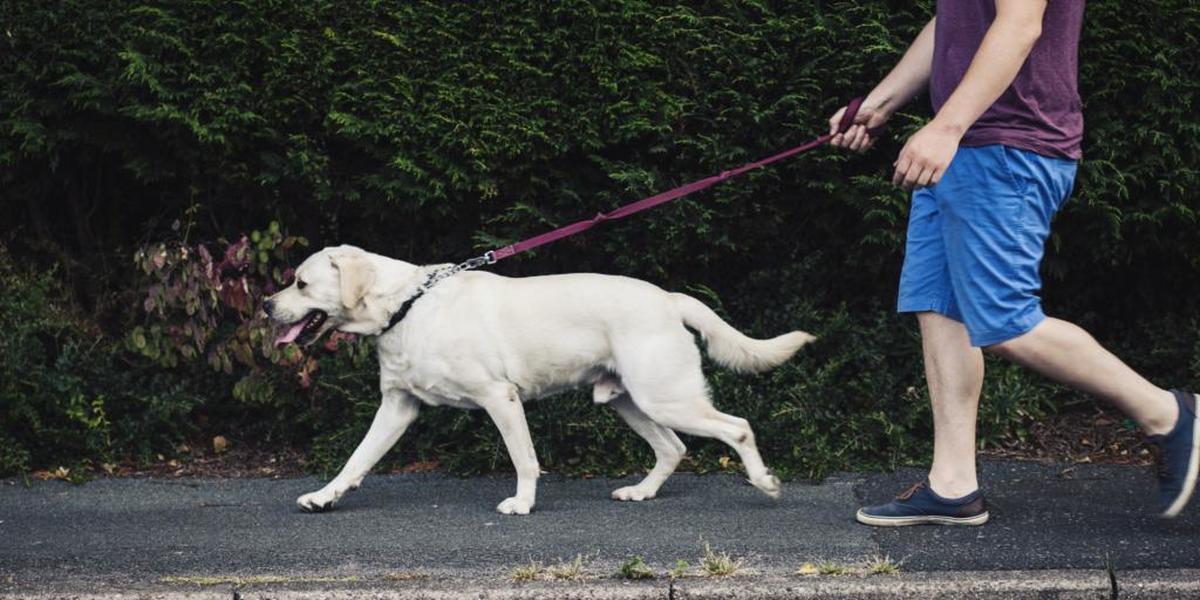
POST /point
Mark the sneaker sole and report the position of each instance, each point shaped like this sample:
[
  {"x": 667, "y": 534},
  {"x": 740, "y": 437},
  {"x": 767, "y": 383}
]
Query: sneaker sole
[
  {"x": 1189, "y": 483},
  {"x": 867, "y": 519}
]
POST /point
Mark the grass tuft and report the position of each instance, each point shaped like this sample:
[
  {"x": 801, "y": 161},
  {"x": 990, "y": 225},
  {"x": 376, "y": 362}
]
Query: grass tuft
[
  {"x": 875, "y": 565},
  {"x": 680, "y": 569},
  {"x": 569, "y": 571},
  {"x": 719, "y": 564},
  {"x": 529, "y": 572},
  {"x": 832, "y": 568},
  {"x": 635, "y": 568},
  {"x": 882, "y": 565},
  {"x": 808, "y": 569}
]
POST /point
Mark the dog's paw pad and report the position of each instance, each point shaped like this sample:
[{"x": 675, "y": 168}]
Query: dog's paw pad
[
  {"x": 514, "y": 506},
  {"x": 312, "y": 503},
  {"x": 632, "y": 493}
]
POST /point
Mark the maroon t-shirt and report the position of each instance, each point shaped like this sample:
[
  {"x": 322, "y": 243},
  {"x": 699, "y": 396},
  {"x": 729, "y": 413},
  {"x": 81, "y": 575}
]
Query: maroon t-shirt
[{"x": 1040, "y": 111}]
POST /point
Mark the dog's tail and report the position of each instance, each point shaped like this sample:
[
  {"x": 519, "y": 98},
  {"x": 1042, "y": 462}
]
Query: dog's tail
[{"x": 732, "y": 348}]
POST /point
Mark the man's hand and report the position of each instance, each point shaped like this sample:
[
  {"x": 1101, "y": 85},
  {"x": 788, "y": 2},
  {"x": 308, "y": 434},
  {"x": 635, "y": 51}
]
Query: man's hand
[
  {"x": 856, "y": 138},
  {"x": 926, "y": 155},
  {"x": 901, "y": 84}
]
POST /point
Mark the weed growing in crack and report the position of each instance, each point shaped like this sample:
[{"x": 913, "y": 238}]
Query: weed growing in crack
[
  {"x": 635, "y": 568},
  {"x": 719, "y": 564}
]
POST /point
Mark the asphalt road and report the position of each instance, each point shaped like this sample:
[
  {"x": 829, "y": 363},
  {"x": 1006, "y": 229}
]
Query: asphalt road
[{"x": 1043, "y": 517}]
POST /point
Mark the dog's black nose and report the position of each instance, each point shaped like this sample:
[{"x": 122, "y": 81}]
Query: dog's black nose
[{"x": 269, "y": 308}]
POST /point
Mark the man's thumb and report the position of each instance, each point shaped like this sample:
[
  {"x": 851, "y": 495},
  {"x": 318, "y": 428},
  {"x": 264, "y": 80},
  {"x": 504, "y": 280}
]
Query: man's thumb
[{"x": 836, "y": 120}]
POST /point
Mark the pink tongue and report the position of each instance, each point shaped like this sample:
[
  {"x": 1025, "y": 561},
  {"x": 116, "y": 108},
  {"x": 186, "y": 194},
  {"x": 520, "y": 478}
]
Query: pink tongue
[{"x": 291, "y": 334}]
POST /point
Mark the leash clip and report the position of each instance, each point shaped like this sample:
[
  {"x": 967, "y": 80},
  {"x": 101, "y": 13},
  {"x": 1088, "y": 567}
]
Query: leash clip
[{"x": 474, "y": 263}]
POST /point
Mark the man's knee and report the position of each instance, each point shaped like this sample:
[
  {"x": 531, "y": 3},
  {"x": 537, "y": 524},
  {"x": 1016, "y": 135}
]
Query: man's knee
[
  {"x": 1008, "y": 350},
  {"x": 1014, "y": 349}
]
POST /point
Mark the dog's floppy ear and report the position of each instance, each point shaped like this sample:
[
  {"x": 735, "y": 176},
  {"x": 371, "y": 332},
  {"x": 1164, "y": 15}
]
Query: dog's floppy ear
[{"x": 356, "y": 274}]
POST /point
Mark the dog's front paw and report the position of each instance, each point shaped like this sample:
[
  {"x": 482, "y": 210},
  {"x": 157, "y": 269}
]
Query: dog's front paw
[
  {"x": 632, "y": 493},
  {"x": 515, "y": 506},
  {"x": 319, "y": 501},
  {"x": 769, "y": 484}
]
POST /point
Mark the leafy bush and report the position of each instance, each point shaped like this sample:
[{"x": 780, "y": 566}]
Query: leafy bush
[{"x": 201, "y": 307}]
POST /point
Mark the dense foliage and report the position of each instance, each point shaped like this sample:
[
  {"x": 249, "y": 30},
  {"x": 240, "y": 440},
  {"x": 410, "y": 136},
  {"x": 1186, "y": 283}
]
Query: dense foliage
[{"x": 430, "y": 131}]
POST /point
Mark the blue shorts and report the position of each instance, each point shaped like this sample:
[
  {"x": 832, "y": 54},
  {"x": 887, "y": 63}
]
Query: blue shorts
[{"x": 976, "y": 239}]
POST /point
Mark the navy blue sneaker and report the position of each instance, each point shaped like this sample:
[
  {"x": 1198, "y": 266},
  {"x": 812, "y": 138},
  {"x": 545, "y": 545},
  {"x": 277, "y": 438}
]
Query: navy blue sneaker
[
  {"x": 919, "y": 505},
  {"x": 1179, "y": 458}
]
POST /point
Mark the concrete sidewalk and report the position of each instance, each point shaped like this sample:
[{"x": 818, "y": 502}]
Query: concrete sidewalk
[{"x": 432, "y": 534}]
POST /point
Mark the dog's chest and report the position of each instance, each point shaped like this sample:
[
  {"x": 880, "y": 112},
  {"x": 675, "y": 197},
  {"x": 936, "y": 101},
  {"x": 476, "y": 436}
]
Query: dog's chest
[
  {"x": 430, "y": 381},
  {"x": 431, "y": 390},
  {"x": 435, "y": 397}
]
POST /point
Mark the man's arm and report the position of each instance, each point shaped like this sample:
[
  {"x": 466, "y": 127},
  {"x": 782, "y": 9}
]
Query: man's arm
[
  {"x": 905, "y": 81},
  {"x": 1001, "y": 54}
]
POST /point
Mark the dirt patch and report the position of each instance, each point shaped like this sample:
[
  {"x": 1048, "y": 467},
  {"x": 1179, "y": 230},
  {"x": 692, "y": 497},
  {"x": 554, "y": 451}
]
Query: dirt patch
[
  {"x": 236, "y": 460},
  {"x": 1087, "y": 434}
]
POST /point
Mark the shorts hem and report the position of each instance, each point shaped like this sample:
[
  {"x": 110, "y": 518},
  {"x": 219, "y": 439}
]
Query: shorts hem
[
  {"x": 941, "y": 307},
  {"x": 1015, "y": 329}
]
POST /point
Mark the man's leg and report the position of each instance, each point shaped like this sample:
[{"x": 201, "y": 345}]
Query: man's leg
[
  {"x": 1066, "y": 353},
  {"x": 954, "y": 373}
]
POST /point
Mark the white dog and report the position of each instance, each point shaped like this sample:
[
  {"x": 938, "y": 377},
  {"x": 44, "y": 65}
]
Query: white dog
[{"x": 479, "y": 340}]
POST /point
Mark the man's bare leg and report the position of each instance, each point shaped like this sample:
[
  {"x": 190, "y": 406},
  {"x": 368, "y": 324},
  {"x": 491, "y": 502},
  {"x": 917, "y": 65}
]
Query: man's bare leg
[
  {"x": 954, "y": 372},
  {"x": 1056, "y": 349},
  {"x": 1066, "y": 353}
]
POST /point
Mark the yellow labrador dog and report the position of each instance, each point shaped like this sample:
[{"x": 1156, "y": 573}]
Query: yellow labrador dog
[{"x": 479, "y": 340}]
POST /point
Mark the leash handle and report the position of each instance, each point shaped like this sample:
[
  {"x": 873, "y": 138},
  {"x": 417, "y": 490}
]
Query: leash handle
[
  {"x": 646, "y": 203},
  {"x": 851, "y": 112}
]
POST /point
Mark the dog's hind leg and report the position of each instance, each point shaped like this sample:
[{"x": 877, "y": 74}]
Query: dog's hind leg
[
  {"x": 736, "y": 432},
  {"x": 668, "y": 450},
  {"x": 700, "y": 418},
  {"x": 396, "y": 412},
  {"x": 670, "y": 389},
  {"x": 505, "y": 408}
]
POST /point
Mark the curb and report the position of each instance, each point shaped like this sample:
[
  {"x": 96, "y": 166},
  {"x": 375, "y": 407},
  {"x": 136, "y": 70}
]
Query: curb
[{"x": 1062, "y": 584}]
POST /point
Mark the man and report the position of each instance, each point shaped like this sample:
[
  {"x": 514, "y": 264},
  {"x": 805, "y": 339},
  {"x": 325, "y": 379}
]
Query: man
[{"x": 990, "y": 171}]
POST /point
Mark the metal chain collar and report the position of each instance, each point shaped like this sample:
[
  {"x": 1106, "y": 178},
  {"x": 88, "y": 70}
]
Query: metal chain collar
[
  {"x": 487, "y": 258},
  {"x": 432, "y": 280}
]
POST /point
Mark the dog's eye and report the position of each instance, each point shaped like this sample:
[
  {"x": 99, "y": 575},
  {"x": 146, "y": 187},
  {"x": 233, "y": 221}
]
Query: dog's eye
[{"x": 300, "y": 284}]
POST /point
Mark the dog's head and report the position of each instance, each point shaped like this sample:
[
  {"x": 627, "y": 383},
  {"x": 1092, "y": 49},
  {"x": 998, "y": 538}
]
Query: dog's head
[{"x": 336, "y": 288}]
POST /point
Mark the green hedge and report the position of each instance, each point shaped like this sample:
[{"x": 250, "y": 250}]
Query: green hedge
[
  {"x": 430, "y": 131},
  {"x": 68, "y": 395}
]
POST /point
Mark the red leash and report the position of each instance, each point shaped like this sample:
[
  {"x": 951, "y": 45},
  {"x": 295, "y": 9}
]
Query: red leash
[{"x": 669, "y": 195}]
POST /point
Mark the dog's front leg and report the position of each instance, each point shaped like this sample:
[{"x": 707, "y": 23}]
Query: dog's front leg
[
  {"x": 507, "y": 412},
  {"x": 396, "y": 412}
]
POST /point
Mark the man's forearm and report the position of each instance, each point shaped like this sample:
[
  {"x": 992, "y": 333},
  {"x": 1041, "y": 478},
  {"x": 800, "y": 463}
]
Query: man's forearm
[
  {"x": 1003, "y": 51},
  {"x": 908, "y": 77}
]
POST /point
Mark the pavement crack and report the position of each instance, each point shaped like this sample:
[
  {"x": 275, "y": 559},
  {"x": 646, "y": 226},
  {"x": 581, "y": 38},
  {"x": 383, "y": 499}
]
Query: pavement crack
[{"x": 1115, "y": 591}]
